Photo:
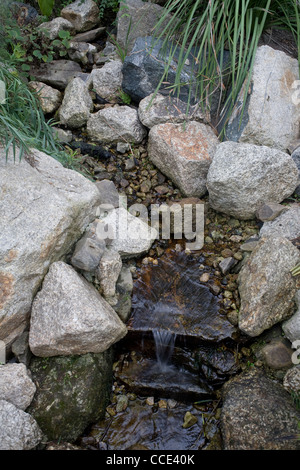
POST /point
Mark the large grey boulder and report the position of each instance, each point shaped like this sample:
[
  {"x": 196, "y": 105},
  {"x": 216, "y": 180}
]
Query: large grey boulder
[
  {"x": 266, "y": 285},
  {"x": 84, "y": 15},
  {"x": 69, "y": 316},
  {"x": 107, "y": 80},
  {"x": 291, "y": 327},
  {"x": 129, "y": 235},
  {"x": 72, "y": 392},
  {"x": 144, "y": 67},
  {"x": 136, "y": 19},
  {"x": 77, "y": 104},
  {"x": 16, "y": 385},
  {"x": 49, "y": 98},
  {"x": 242, "y": 177},
  {"x": 44, "y": 209},
  {"x": 54, "y": 27},
  {"x": 258, "y": 414},
  {"x": 116, "y": 124},
  {"x": 272, "y": 116},
  {"x": 183, "y": 152},
  {"x": 159, "y": 109},
  {"x": 18, "y": 430},
  {"x": 57, "y": 73},
  {"x": 287, "y": 224}
]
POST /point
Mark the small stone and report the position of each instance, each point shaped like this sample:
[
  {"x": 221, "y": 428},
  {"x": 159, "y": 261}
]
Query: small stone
[
  {"x": 208, "y": 240},
  {"x": 111, "y": 411},
  {"x": 204, "y": 277},
  {"x": 226, "y": 253},
  {"x": 130, "y": 164},
  {"x": 146, "y": 186},
  {"x": 269, "y": 211},
  {"x": 150, "y": 401},
  {"x": 123, "y": 147},
  {"x": 233, "y": 317},
  {"x": 249, "y": 244},
  {"x": 227, "y": 264},
  {"x": 162, "y": 404},
  {"x": 171, "y": 403},
  {"x": 236, "y": 238},
  {"x": 238, "y": 256},
  {"x": 122, "y": 403},
  {"x": 189, "y": 420},
  {"x": 161, "y": 189}
]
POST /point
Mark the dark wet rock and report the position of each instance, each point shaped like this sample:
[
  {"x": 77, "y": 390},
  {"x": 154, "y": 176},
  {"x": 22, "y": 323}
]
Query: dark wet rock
[
  {"x": 146, "y": 377},
  {"x": 144, "y": 67},
  {"x": 95, "y": 151},
  {"x": 258, "y": 414},
  {"x": 217, "y": 364},
  {"x": 142, "y": 424},
  {"x": 169, "y": 297},
  {"x": 71, "y": 393}
]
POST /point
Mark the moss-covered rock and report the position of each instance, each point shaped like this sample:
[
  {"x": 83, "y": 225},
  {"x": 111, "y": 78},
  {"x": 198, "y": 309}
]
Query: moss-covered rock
[{"x": 72, "y": 392}]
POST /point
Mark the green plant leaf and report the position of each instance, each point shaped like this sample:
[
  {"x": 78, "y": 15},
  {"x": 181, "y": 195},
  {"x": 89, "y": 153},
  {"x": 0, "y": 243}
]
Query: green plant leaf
[{"x": 46, "y": 6}]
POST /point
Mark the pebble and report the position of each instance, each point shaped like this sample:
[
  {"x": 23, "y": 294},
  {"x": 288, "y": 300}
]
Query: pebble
[
  {"x": 122, "y": 403},
  {"x": 205, "y": 277},
  {"x": 150, "y": 401},
  {"x": 171, "y": 403},
  {"x": 189, "y": 420},
  {"x": 162, "y": 404}
]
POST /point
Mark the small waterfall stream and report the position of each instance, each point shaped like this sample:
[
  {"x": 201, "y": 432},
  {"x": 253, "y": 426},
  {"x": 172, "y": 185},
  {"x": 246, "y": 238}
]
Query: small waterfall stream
[{"x": 164, "y": 347}]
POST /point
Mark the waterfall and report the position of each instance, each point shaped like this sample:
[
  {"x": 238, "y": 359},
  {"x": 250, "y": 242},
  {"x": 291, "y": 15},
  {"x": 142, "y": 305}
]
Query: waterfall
[{"x": 164, "y": 347}]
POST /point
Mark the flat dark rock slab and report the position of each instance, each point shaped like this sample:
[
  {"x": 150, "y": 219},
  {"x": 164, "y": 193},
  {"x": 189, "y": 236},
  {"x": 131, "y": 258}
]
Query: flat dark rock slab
[
  {"x": 171, "y": 297},
  {"x": 146, "y": 377}
]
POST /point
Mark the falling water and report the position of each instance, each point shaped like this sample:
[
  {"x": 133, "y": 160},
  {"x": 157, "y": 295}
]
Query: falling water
[{"x": 164, "y": 347}]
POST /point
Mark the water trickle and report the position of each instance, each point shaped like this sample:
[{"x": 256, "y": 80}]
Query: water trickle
[{"x": 164, "y": 347}]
